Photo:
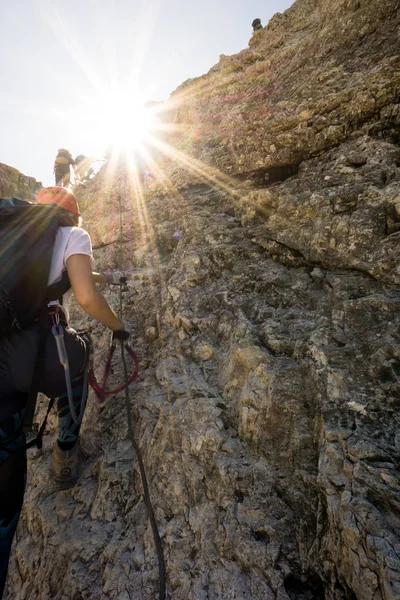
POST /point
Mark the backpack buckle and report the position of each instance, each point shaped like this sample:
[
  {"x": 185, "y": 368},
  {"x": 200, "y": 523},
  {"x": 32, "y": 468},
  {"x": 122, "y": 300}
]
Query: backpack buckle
[{"x": 55, "y": 317}]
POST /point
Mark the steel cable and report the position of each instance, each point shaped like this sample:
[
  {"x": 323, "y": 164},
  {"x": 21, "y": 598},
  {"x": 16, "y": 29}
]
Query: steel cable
[{"x": 146, "y": 492}]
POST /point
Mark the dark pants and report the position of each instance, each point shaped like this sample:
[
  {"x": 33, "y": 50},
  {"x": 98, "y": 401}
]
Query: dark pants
[
  {"x": 62, "y": 175},
  {"x": 18, "y": 355}
]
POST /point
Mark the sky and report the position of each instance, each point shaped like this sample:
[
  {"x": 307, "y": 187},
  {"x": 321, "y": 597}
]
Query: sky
[{"x": 74, "y": 73}]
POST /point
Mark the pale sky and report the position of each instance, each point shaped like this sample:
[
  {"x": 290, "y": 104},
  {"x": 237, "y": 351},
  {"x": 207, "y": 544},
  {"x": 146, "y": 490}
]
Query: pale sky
[{"x": 64, "y": 63}]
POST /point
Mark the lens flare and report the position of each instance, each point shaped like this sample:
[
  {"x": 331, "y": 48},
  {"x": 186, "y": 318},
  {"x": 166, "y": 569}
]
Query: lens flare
[
  {"x": 116, "y": 119},
  {"x": 126, "y": 123}
]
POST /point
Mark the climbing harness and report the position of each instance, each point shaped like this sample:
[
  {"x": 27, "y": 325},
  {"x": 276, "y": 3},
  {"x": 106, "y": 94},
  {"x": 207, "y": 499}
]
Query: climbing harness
[{"x": 58, "y": 332}]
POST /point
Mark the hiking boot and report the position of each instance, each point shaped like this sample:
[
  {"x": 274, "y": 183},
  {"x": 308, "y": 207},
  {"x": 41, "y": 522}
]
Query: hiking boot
[{"x": 65, "y": 465}]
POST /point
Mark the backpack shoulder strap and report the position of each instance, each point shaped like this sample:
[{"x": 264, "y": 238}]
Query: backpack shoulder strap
[
  {"x": 44, "y": 323},
  {"x": 7, "y": 202}
]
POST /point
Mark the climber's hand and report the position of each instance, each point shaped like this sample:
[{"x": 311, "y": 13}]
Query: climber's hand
[
  {"x": 123, "y": 332},
  {"x": 114, "y": 278}
]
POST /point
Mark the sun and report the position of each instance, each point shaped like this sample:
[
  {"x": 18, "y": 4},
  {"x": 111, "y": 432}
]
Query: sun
[
  {"x": 125, "y": 121},
  {"x": 116, "y": 119}
]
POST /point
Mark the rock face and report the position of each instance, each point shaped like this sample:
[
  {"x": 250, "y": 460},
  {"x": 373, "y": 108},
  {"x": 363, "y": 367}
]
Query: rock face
[
  {"x": 265, "y": 311},
  {"x": 317, "y": 75},
  {"x": 15, "y": 185}
]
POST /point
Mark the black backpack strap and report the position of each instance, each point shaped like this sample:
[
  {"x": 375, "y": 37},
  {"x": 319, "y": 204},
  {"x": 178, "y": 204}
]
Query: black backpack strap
[
  {"x": 55, "y": 291},
  {"x": 38, "y": 440},
  {"x": 44, "y": 328}
]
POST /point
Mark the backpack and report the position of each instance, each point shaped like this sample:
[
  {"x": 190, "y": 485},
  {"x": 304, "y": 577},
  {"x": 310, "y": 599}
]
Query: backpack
[
  {"x": 27, "y": 233},
  {"x": 63, "y": 158}
]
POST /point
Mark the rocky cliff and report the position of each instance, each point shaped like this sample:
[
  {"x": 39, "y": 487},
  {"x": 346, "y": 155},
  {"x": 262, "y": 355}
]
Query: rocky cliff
[
  {"x": 15, "y": 185},
  {"x": 263, "y": 270},
  {"x": 319, "y": 74}
]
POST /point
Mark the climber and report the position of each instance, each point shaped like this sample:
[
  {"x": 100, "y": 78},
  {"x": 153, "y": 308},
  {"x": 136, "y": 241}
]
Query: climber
[
  {"x": 80, "y": 159},
  {"x": 256, "y": 25},
  {"x": 29, "y": 355},
  {"x": 61, "y": 168},
  {"x": 83, "y": 168}
]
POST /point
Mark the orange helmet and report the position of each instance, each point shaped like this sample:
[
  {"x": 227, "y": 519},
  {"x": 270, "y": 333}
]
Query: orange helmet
[{"x": 60, "y": 196}]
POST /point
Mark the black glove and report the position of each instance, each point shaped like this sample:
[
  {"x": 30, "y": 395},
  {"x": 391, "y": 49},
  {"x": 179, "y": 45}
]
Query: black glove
[{"x": 122, "y": 333}]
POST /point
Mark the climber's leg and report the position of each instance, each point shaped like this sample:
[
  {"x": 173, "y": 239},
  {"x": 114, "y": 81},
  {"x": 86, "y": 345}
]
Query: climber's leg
[{"x": 12, "y": 486}]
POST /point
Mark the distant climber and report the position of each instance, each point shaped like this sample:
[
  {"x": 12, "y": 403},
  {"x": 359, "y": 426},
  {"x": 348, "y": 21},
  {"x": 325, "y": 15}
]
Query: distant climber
[
  {"x": 62, "y": 165},
  {"x": 83, "y": 167},
  {"x": 79, "y": 159},
  {"x": 256, "y": 25}
]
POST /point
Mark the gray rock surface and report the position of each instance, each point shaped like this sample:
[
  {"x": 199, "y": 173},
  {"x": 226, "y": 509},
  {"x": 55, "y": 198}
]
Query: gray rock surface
[
  {"x": 15, "y": 185},
  {"x": 265, "y": 311},
  {"x": 319, "y": 73}
]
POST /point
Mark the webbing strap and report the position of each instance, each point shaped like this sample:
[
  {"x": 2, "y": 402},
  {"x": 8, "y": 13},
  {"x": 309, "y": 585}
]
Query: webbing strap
[{"x": 38, "y": 440}]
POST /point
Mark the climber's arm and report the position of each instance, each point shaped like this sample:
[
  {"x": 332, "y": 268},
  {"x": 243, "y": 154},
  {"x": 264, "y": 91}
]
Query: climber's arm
[{"x": 85, "y": 291}]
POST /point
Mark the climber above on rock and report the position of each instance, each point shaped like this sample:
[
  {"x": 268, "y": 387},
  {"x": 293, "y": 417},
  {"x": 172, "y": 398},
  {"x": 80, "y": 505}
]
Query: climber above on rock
[
  {"x": 256, "y": 25},
  {"x": 62, "y": 165},
  {"x": 83, "y": 167},
  {"x": 29, "y": 355}
]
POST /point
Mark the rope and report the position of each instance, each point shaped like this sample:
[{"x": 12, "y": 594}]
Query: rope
[
  {"x": 100, "y": 390},
  {"x": 131, "y": 435}
]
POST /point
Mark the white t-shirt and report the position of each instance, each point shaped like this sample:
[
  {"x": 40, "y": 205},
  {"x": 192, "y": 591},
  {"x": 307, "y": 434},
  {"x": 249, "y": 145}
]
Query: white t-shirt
[{"x": 69, "y": 241}]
